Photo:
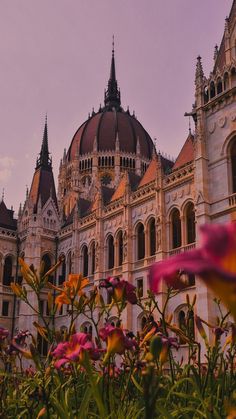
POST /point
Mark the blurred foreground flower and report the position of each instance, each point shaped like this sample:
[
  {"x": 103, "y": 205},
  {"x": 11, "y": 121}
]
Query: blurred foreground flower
[
  {"x": 214, "y": 262},
  {"x": 74, "y": 349}
]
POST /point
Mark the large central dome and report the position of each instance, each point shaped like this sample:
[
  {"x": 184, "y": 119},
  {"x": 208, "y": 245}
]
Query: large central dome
[
  {"x": 109, "y": 125},
  {"x": 106, "y": 126}
]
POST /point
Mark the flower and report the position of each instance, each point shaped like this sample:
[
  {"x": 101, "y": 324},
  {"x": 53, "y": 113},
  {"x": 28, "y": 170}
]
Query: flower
[
  {"x": 74, "y": 349},
  {"x": 71, "y": 288},
  {"x": 120, "y": 290},
  {"x": 117, "y": 340},
  {"x": 3, "y": 334},
  {"x": 214, "y": 262}
]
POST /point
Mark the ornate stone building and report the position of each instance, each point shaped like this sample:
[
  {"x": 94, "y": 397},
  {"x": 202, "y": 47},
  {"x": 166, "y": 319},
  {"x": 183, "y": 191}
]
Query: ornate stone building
[{"x": 120, "y": 205}]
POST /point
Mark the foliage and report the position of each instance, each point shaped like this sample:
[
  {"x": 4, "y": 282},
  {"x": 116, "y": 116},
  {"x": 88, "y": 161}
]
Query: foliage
[{"x": 114, "y": 373}]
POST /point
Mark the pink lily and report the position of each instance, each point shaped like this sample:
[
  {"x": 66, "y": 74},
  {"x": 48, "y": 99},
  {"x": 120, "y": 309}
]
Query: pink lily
[{"x": 214, "y": 262}]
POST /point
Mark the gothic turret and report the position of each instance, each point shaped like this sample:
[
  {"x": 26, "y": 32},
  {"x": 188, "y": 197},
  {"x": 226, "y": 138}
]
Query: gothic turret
[
  {"x": 43, "y": 186},
  {"x": 112, "y": 94},
  {"x": 44, "y": 160}
]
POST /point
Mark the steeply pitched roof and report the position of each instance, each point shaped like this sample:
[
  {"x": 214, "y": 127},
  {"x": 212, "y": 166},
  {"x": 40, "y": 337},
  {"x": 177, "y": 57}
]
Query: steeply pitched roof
[
  {"x": 42, "y": 186},
  {"x": 120, "y": 190},
  {"x": 186, "y": 154},
  {"x": 6, "y": 217},
  {"x": 220, "y": 60},
  {"x": 150, "y": 173}
]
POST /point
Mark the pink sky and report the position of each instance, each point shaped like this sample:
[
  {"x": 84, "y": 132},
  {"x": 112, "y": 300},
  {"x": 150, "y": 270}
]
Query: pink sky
[{"x": 55, "y": 58}]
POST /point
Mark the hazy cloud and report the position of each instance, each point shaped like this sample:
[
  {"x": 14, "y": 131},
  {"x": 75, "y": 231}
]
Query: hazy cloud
[{"x": 6, "y": 166}]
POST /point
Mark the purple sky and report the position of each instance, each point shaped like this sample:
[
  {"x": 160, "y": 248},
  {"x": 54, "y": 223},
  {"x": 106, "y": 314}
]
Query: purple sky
[{"x": 55, "y": 58}]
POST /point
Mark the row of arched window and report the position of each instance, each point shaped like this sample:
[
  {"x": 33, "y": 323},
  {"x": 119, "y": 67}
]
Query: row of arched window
[
  {"x": 107, "y": 161},
  {"x": 176, "y": 238},
  {"x": 86, "y": 164},
  {"x": 219, "y": 85},
  {"x": 127, "y": 162}
]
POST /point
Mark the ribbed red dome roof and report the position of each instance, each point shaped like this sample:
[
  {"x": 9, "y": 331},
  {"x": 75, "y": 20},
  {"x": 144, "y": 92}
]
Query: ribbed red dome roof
[
  {"x": 105, "y": 125},
  {"x": 110, "y": 121}
]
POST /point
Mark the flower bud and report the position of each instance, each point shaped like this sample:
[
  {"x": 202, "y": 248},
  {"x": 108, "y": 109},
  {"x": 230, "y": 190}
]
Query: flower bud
[{"x": 156, "y": 346}]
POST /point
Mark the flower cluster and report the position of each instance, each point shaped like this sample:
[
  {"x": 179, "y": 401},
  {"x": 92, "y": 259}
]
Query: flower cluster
[{"x": 74, "y": 350}]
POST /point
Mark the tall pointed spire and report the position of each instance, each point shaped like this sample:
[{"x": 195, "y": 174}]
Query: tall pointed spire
[
  {"x": 44, "y": 160},
  {"x": 112, "y": 94}
]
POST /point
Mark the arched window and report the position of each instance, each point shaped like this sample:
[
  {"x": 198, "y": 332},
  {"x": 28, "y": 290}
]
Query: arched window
[
  {"x": 152, "y": 236},
  {"x": 191, "y": 280},
  {"x": 62, "y": 277},
  {"x": 233, "y": 77},
  {"x": 120, "y": 248},
  {"x": 69, "y": 263},
  {"x": 85, "y": 260},
  {"x": 191, "y": 324},
  {"x": 110, "y": 253},
  {"x": 92, "y": 258},
  {"x": 233, "y": 165},
  {"x": 226, "y": 81},
  {"x": 7, "y": 271},
  {"x": 219, "y": 86},
  {"x": 47, "y": 265},
  {"x": 212, "y": 90},
  {"x": 206, "y": 95},
  {"x": 140, "y": 241},
  {"x": 190, "y": 223},
  {"x": 176, "y": 229},
  {"x": 87, "y": 328},
  {"x": 182, "y": 323}
]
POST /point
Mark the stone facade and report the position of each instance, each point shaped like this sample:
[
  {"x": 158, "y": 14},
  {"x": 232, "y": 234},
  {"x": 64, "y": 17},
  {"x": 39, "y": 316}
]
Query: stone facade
[{"x": 120, "y": 209}]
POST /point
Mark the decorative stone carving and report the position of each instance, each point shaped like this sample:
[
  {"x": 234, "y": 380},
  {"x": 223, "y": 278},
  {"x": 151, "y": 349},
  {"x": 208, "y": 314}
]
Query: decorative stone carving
[
  {"x": 233, "y": 116},
  {"x": 222, "y": 121},
  {"x": 212, "y": 127}
]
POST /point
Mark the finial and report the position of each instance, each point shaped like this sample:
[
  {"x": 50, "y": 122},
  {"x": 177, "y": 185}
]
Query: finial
[
  {"x": 27, "y": 192},
  {"x": 44, "y": 159},
  {"x": 189, "y": 125},
  {"x": 3, "y": 192},
  {"x": 199, "y": 71},
  {"x": 113, "y": 45},
  {"x": 216, "y": 52}
]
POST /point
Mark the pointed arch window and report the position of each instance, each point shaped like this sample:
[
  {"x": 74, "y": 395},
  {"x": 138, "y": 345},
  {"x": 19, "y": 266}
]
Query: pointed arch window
[
  {"x": 85, "y": 260},
  {"x": 110, "y": 254},
  {"x": 69, "y": 263},
  {"x": 190, "y": 223},
  {"x": 233, "y": 165},
  {"x": 140, "y": 241},
  {"x": 182, "y": 323},
  {"x": 62, "y": 277},
  {"x": 93, "y": 258},
  {"x": 7, "y": 271},
  {"x": 120, "y": 248},
  {"x": 152, "y": 237},
  {"x": 176, "y": 229},
  {"x": 212, "y": 90},
  {"x": 47, "y": 265}
]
